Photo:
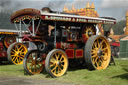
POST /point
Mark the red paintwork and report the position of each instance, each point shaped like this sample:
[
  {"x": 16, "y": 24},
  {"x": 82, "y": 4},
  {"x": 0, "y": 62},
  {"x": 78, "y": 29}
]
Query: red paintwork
[
  {"x": 79, "y": 53},
  {"x": 3, "y": 54},
  {"x": 72, "y": 46},
  {"x": 84, "y": 38},
  {"x": 26, "y": 38},
  {"x": 58, "y": 45},
  {"x": 115, "y": 44},
  {"x": 65, "y": 45},
  {"x": 70, "y": 53}
]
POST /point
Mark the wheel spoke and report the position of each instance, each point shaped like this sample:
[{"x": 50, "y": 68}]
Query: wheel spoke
[
  {"x": 51, "y": 65},
  {"x": 94, "y": 56},
  {"x": 16, "y": 48},
  {"x": 97, "y": 63},
  {"x": 61, "y": 58},
  {"x": 95, "y": 45},
  {"x": 98, "y": 45},
  {"x": 52, "y": 61},
  {"x": 56, "y": 56},
  {"x": 54, "y": 69},
  {"x": 21, "y": 57},
  {"x": 104, "y": 49},
  {"x": 31, "y": 67},
  {"x": 13, "y": 50},
  {"x": 30, "y": 58},
  {"x": 17, "y": 59},
  {"x": 102, "y": 59},
  {"x": 59, "y": 69},
  {"x": 20, "y": 47},
  {"x": 34, "y": 67},
  {"x": 13, "y": 58},
  {"x": 95, "y": 59},
  {"x": 29, "y": 61},
  {"x": 93, "y": 51}
]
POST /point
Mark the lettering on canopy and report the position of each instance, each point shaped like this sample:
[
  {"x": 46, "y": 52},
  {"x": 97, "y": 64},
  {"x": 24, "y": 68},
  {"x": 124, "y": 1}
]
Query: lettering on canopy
[
  {"x": 74, "y": 19},
  {"x": 58, "y": 18}
]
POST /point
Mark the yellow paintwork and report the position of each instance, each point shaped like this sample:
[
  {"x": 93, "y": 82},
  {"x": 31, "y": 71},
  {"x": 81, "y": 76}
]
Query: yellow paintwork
[
  {"x": 101, "y": 62},
  {"x": 33, "y": 65},
  {"x": 18, "y": 52},
  {"x": 58, "y": 63},
  {"x": 7, "y": 33},
  {"x": 87, "y": 30}
]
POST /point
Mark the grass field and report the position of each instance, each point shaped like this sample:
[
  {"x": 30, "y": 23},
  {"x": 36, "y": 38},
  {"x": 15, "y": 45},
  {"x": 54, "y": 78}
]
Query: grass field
[{"x": 113, "y": 75}]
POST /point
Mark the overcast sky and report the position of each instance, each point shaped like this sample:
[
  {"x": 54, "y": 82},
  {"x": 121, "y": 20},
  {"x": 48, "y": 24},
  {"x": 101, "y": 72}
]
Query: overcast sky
[{"x": 111, "y": 8}]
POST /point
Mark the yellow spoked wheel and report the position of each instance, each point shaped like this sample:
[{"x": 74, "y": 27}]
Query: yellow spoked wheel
[
  {"x": 8, "y": 40},
  {"x": 97, "y": 53},
  {"x": 33, "y": 62},
  {"x": 56, "y": 63},
  {"x": 89, "y": 30},
  {"x": 16, "y": 53}
]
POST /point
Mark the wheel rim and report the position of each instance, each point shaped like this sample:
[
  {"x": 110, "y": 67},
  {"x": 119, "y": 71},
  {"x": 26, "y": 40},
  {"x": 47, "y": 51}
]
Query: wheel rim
[
  {"x": 9, "y": 40},
  {"x": 58, "y": 63},
  {"x": 89, "y": 31},
  {"x": 100, "y": 53},
  {"x": 34, "y": 63},
  {"x": 17, "y": 53}
]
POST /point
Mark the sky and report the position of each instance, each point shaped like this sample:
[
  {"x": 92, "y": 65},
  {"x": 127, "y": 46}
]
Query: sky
[{"x": 105, "y": 8}]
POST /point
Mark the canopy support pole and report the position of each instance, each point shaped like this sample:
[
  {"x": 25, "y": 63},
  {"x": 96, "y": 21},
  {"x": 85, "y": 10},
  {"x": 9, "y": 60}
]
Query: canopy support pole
[
  {"x": 55, "y": 36},
  {"x": 33, "y": 27}
]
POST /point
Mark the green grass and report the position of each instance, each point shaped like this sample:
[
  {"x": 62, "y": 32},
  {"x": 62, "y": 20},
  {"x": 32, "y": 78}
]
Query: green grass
[{"x": 113, "y": 75}]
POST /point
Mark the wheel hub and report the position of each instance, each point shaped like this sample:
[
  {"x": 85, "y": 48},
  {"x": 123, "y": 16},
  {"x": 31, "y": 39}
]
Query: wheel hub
[
  {"x": 99, "y": 52},
  {"x": 17, "y": 53},
  {"x": 90, "y": 33}
]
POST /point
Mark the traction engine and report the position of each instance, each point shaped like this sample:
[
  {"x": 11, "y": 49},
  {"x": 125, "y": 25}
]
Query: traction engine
[{"x": 55, "y": 41}]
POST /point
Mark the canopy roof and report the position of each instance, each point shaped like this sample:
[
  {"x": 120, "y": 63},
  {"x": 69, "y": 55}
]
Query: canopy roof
[{"x": 35, "y": 14}]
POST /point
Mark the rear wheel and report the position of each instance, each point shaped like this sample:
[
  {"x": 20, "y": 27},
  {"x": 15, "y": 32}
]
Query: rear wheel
[
  {"x": 97, "y": 53},
  {"x": 33, "y": 62},
  {"x": 16, "y": 53},
  {"x": 56, "y": 63}
]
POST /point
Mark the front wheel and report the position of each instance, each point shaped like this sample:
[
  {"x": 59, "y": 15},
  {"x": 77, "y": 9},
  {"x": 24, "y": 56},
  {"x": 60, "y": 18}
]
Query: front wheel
[
  {"x": 56, "y": 63},
  {"x": 97, "y": 53},
  {"x": 16, "y": 53},
  {"x": 33, "y": 62}
]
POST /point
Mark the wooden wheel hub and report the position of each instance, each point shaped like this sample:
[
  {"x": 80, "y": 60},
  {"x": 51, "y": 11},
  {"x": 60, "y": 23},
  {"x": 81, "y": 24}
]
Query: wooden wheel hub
[{"x": 99, "y": 52}]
